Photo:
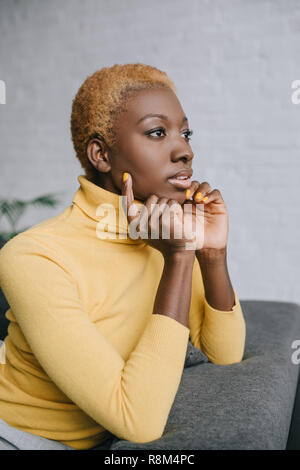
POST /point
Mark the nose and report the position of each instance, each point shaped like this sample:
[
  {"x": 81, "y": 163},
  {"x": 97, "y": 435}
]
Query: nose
[
  {"x": 181, "y": 150},
  {"x": 185, "y": 155}
]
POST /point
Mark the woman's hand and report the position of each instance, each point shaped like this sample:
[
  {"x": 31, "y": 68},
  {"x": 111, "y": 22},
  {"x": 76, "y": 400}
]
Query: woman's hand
[
  {"x": 214, "y": 213},
  {"x": 159, "y": 221}
]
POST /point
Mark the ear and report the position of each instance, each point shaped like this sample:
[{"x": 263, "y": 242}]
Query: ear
[{"x": 97, "y": 152}]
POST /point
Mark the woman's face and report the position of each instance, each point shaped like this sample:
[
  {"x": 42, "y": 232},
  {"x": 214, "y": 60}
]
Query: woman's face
[{"x": 152, "y": 148}]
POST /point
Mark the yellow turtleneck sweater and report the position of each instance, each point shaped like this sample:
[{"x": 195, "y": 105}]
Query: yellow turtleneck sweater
[{"x": 84, "y": 353}]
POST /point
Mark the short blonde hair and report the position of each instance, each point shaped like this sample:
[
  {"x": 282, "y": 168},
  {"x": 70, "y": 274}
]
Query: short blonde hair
[{"x": 104, "y": 94}]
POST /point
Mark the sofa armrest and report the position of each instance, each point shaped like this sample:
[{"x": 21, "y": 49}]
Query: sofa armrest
[{"x": 246, "y": 405}]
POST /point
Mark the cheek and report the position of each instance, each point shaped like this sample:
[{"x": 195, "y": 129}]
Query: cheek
[
  {"x": 147, "y": 162},
  {"x": 146, "y": 166},
  {"x": 146, "y": 181},
  {"x": 144, "y": 153}
]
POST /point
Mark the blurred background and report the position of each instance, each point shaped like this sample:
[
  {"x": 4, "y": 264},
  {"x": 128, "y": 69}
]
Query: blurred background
[{"x": 233, "y": 64}]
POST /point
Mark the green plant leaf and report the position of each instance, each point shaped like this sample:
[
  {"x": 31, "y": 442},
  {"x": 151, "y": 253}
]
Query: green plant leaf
[
  {"x": 49, "y": 200},
  {"x": 12, "y": 209}
]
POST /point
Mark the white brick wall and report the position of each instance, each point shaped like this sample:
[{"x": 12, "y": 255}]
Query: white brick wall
[{"x": 233, "y": 63}]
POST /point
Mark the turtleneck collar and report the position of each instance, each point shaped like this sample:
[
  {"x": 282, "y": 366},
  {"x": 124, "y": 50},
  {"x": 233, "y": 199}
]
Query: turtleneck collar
[{"x": 104, "y": 207}]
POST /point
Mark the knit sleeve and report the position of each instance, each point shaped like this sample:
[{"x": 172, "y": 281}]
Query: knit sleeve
[
  {"x": 130, "y": 399},
  {"x": 223, "y": 333},
  {"x": 220, "y": 335}
]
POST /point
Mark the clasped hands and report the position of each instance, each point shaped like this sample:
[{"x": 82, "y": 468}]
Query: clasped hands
[{"x": 203, "y": 215}]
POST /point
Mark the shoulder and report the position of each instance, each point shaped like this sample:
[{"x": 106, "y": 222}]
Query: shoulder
[
  {"x": 29, "y": 260},
  {"x": 40, "y": 238},
  {"x": 24, "y": 249}
]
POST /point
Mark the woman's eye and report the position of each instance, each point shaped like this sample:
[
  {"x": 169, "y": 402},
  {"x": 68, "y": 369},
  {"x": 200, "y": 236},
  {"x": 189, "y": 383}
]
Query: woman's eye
[
  {"x": 188, "y": 133},
  {"x": 156, "y": 130}
]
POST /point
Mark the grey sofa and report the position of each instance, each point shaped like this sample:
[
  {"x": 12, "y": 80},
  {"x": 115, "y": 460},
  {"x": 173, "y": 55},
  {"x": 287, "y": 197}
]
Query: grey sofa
[
  {"x": 248, "y": 405},
  {"x": 254, "y": 404}
]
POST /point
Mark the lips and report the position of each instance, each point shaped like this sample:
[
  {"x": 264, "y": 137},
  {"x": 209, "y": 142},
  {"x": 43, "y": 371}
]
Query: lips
[
  {"x": 188, "y": 172},
  {"x": 182, "y": 179}
]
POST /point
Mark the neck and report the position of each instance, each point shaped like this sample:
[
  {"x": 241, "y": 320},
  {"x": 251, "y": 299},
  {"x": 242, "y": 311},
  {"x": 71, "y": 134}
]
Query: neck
[{"x": 104, "y": 180}]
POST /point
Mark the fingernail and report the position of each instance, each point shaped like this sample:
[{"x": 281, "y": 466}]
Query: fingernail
[
  {"x": 125, "y": 176},
  {"x": 187, "y": 193},
  {"x": 198, "y": 196},
  {"x": 205, "y": 198}
]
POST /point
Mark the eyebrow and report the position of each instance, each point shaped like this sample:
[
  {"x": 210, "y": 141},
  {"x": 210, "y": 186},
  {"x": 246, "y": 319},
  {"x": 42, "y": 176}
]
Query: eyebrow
[{"x": 161, "y": 116}]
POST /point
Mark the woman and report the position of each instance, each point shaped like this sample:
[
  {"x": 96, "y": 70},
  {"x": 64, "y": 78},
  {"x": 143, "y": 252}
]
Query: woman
[{"x": 100, "y": 319}]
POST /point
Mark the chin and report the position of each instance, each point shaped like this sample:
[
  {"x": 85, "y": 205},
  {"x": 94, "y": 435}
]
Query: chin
[
  {"x": 169, "y": 193},
  {"x": 176, "y": 195}
]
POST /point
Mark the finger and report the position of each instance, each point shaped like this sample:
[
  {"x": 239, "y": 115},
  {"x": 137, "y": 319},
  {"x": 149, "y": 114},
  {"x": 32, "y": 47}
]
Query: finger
[
  {"x": 192, "y": 203},
  {"x": 214, "y": 195},
  {"x": 146, "y": 212},
  {"x": 192, "y": 189},
  {"x": 175, "y": 207},
  {"x": 176, "y": 214},
  {"x": 155, "y": 220},
  {"x": 130, "y": 208},
  {"x": 202, "y": 190}
]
